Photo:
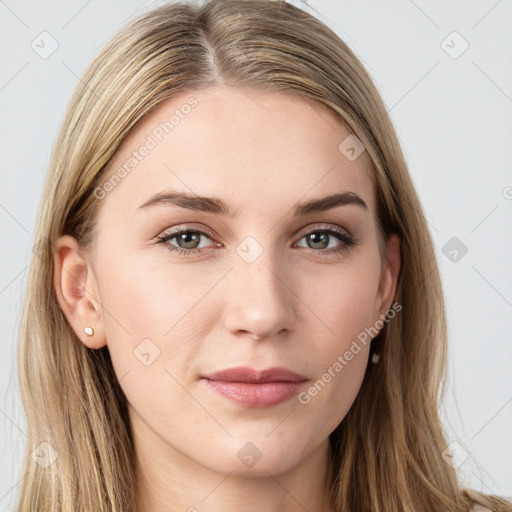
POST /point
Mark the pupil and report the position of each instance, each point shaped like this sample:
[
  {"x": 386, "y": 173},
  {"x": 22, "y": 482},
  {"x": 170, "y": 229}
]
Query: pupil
[
  {"x": 186, "y": 236},
  {"x": 320, "y": 238}
]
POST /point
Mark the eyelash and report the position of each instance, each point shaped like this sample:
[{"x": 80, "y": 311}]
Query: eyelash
[{"x": 341, "y": 235}]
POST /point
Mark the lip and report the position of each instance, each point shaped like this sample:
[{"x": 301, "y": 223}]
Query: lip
[{"x": 251, "y": 387}]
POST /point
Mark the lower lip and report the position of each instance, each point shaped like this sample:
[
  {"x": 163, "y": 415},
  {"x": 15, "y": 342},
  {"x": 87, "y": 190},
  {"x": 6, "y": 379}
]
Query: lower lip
[{"x": 255, "y": 395}]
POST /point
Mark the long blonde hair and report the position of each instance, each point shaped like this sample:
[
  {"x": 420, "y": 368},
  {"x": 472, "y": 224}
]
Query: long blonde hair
[{"x": 387, "y": 452}]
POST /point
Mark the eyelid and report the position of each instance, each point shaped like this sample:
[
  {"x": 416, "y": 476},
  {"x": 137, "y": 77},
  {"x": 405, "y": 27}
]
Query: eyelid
[
  {"x": 343, "y": 235},
  {"x": 187, "y": 227},
  {"x": 319, "y": 226},
  {"x": 206, "y": 231}
]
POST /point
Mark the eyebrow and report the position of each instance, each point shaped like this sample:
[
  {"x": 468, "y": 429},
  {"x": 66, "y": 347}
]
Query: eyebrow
[{"x": 217, "y": 206}]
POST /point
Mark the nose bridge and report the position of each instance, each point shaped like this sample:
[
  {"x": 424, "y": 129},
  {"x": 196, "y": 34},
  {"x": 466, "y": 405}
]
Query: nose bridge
[{"x": 261, "y": 299}]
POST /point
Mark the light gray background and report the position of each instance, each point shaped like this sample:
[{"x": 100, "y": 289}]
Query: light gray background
[{"x": 453, "y": 116}]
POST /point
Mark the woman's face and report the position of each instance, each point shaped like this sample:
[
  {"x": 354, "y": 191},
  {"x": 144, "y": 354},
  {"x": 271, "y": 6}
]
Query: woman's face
[{"x": 249, "y": 277}]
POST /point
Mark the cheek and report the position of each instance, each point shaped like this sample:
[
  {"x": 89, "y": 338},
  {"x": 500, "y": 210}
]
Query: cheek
[
  {"x": 332, "y": 393},
  {"x": 154, "y": 323},
  {"x": 344, "y": 300},
  {"x": 340, "y": 362},
  {"x": 345, "y": 308},
  {"x": 154, "y": 312},
  {"x": 147, "y": 295}
]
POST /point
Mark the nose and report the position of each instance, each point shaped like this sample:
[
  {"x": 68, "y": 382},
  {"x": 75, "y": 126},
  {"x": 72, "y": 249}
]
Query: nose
[{"x": 262, "y": 302}]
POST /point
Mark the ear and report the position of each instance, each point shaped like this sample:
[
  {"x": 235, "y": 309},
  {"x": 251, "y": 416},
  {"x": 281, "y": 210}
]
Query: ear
[
  {"x": 77, "y": 291},
  {"x": 388, "y": 277}
]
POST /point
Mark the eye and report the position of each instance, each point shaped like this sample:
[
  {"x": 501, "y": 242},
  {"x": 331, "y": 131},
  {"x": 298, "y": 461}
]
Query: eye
[
  {"x": 189, "y": 242},
  {"x": 322, "y": 238}
]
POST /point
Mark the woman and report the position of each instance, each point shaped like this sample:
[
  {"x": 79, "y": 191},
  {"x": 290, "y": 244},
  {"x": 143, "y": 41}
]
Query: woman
[{"x": 235, "y": 302}]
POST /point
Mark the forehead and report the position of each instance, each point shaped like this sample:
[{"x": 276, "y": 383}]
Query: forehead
[{"x": 250, "y": 147}]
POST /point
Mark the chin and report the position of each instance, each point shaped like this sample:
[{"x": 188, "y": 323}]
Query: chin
[{"x": 255, "y": 458}]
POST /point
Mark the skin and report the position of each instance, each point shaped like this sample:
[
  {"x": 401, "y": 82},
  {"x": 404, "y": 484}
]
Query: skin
[{"x": 296, "y": 305}]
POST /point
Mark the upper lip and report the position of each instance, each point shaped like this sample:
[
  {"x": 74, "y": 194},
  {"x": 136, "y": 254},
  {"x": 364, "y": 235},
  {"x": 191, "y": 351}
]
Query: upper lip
[{"x": 253, "y": 375}]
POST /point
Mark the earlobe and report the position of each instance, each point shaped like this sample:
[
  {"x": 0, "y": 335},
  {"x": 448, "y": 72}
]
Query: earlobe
[{"x": 77, "y": 294}]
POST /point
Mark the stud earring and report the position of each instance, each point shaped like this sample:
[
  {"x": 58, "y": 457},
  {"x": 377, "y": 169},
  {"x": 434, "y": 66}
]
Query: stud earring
[
  {"x": 375, "y": 358},
  {"x": 89, "y": 331}
]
